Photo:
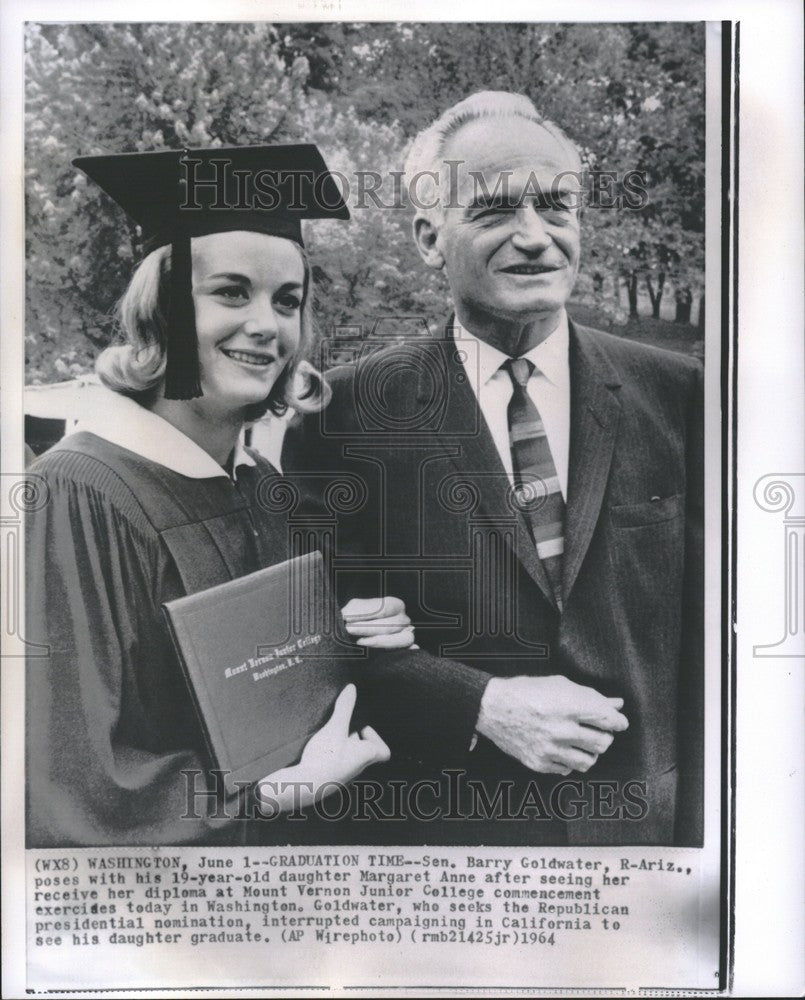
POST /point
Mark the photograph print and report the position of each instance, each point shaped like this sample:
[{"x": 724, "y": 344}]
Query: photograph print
[{"x": 364, "y": 396}]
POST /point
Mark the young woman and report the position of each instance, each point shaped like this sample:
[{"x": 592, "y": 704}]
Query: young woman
[{"x": 156, "y": 498}]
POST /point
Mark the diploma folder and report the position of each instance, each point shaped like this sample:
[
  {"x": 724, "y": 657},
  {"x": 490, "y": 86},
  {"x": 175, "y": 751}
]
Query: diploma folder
[{"x": 263, "y": 663}]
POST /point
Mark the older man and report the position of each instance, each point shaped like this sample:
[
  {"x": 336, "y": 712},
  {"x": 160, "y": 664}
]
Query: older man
[{"x": 534, "y": 493}]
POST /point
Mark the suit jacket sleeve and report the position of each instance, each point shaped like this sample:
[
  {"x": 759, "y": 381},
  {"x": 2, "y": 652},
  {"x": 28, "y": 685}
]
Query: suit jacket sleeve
[{"x": 419, "y": 703}]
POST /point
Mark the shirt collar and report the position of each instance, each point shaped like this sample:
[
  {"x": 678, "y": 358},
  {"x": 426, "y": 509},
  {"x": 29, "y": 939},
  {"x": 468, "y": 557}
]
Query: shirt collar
[
  {"x": 550, "y": 356},
  {"x": 125, "y": 423}
]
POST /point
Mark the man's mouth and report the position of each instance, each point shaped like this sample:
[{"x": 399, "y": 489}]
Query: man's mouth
[
  {"x": 529, "y": 269},
  {"x": 249, "y": 357}
]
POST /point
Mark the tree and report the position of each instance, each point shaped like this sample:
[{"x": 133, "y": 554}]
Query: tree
[
  {"x": 117, "y": 88},
  {"x": 630, "y": 95}
]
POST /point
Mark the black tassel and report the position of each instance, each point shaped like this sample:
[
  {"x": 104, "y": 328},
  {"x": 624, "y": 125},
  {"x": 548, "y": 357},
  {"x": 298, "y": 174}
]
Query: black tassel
[{"x": 182, "y": 374}]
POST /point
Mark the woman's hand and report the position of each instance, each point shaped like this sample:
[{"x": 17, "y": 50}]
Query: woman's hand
[
  {"x": 331, "y": 756},
  {"x": 379, "y": 622}
]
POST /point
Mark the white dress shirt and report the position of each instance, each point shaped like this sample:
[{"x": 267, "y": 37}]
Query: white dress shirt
[{"x": 548, "y": 387}]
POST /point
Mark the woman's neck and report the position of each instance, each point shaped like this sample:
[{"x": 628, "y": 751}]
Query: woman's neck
[{"x": 216, "y": 433}]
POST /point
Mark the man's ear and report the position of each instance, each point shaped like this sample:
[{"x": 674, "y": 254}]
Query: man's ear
[{"x": 426, "y": 237}]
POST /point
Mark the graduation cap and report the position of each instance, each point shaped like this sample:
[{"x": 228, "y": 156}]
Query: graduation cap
[{"x": 174, "y": 195}]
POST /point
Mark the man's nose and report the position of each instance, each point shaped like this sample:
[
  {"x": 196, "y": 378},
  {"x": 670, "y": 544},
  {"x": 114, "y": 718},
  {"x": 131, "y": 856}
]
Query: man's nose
[{"x": 529, "y": 230}]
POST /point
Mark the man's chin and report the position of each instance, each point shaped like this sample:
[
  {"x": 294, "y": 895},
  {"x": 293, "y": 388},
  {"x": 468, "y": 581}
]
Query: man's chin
[
  {"x": 522, "y": 311},
  {"x": 546, "y": 293}
]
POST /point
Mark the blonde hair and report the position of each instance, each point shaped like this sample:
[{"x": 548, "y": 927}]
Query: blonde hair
[
  {"x": 426, "y": 161},
  {"x": 136, "y": 368}
]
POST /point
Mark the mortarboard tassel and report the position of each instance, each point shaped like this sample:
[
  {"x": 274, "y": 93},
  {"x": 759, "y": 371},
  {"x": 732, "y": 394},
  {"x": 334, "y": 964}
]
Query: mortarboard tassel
[{"x": 182, "y": 375}]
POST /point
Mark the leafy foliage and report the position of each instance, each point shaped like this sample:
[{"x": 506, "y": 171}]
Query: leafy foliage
[{"x": 631, "y": 96}]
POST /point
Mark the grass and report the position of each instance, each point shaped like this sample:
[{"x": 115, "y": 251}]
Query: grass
[{"x": 681, "y": 337}]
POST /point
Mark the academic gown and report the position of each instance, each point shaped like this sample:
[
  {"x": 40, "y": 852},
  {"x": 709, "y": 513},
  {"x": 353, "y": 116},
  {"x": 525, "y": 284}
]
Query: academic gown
[{"x": 110, "y": 722}]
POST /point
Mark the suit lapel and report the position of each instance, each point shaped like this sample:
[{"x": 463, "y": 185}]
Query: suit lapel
[
  {"x": 466, "y": 440},
  {"x": 594, "y": 413}
]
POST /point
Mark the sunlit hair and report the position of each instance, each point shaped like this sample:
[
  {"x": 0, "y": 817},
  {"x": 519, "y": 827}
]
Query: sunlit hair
[
  {"x": 426, "y": 156},
  {"x": 137, "y": 367}
]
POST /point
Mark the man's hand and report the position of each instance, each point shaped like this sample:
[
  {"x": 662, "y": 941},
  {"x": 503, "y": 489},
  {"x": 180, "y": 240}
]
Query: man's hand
[{"x": 550, "y": 724}]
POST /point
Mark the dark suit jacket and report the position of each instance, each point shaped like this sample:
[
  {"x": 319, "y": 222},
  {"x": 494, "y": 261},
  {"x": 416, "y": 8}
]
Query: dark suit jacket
[{"x": 432, "y": 522}]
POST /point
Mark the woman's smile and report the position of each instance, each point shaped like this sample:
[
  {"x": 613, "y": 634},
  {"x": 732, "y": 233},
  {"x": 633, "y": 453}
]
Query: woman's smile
[{"x": 254, "y": 359}]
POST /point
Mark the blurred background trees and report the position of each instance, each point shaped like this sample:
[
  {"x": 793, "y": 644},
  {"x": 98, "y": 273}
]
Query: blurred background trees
[{"x": 631, "y": 96}]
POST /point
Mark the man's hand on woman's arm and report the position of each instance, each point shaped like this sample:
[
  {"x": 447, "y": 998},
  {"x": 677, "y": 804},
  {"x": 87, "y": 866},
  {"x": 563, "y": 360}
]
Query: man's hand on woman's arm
[{"x": 379, "y": 623}]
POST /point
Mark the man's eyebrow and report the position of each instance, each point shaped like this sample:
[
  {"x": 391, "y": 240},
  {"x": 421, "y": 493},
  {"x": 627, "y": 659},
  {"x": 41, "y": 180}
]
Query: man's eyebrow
[
  {"x": 545, "y": 195},
  {"x": 493, "y": 200}
]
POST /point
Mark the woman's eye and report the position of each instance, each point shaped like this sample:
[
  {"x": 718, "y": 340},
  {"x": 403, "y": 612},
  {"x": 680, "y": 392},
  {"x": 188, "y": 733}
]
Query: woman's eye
[
  {"x": 233, "y": 292},
  {"x": 289, "y": 301}
]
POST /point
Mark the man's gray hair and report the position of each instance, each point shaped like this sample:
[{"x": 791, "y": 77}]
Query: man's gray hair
[{"x": 425, "y": 171}]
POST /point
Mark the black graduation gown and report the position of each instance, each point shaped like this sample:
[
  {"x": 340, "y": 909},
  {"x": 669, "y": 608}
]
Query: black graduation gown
[{"x": 110, "y": 723}]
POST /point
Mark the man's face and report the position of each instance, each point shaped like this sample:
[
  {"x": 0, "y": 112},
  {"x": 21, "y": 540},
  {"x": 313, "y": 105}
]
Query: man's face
[{"x": 510, "y": 237}]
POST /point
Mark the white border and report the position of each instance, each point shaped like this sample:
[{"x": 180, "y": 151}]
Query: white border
[{"x": 770, "y": 809}]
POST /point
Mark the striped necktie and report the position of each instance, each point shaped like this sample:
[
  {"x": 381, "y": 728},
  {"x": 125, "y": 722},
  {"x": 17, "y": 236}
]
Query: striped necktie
[{"x": 536, "y": 483}]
